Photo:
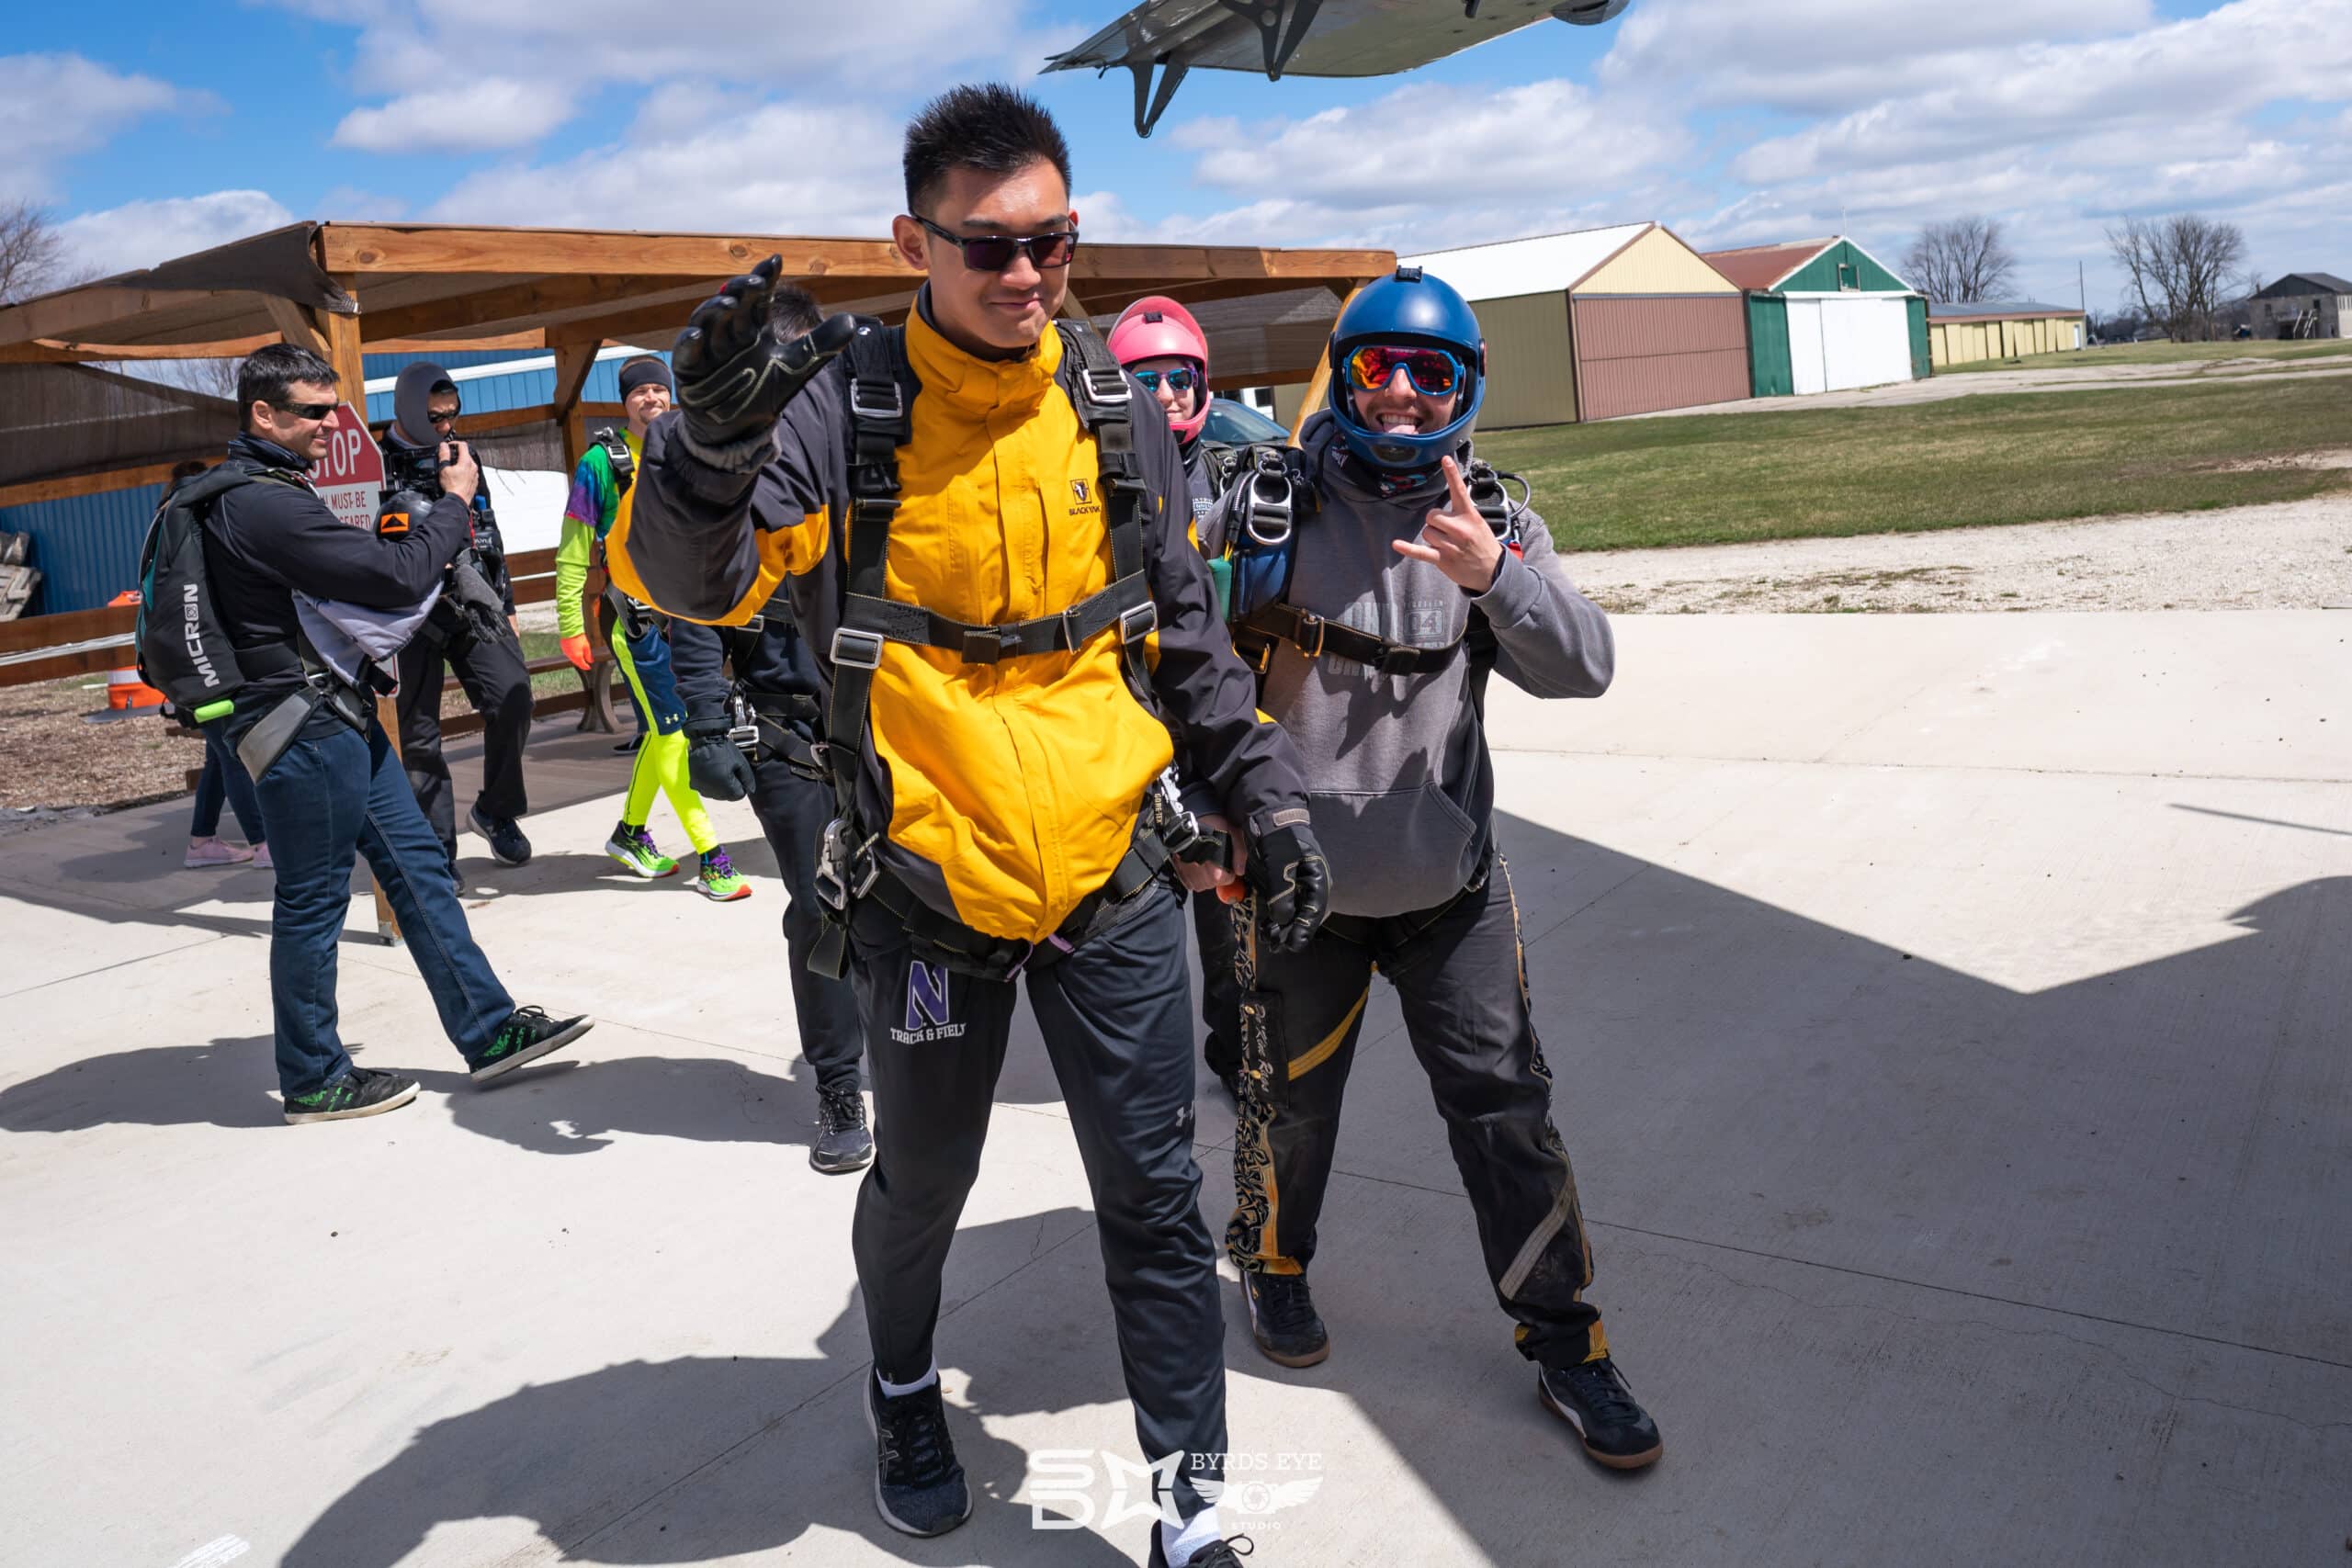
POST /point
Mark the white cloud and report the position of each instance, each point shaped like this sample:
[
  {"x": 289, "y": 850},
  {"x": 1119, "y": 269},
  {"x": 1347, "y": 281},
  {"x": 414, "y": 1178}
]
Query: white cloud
[
  {"x": 788, "y": 168},
  {"x": 1429, "y": 144},
  {"x": 1821, "y": 56},
  {"x": 53, "y": 105},
  {"x": 482, "y": 112},
  {"x": 141, "y": 233}
]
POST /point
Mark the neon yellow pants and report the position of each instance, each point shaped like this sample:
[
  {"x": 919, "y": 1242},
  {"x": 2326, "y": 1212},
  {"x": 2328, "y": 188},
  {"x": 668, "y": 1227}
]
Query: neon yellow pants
[{"x": 661, "y": 764}]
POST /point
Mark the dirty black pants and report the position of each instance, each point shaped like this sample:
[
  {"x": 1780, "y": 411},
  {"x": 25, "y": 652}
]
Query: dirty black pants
[
  {"x": 498, "y": 686},
  {"x": 1220, "y": 991},
  {"x": 1115, "y": 1014},
  {"x": 1461, "y": 979},
  {"x": 793, "y": 812}
]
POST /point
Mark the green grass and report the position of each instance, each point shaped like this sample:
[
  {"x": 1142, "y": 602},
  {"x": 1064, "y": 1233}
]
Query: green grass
[
  {"x": 1965, "y": 462},
  {"x": 2192, "y": 355}
]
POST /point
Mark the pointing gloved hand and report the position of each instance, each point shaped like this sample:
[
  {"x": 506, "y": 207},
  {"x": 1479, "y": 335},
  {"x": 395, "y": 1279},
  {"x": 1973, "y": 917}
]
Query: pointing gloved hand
[
  {"x": 735, "y": 375},
  {"x": 716, "y": 766},
  {"x": 1293, "y": 882},
  {"x": 576, "y": 650}
]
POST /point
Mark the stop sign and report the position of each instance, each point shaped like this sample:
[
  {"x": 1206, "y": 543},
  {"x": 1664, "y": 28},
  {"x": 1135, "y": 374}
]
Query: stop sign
[{"x": 350, "y": 477}]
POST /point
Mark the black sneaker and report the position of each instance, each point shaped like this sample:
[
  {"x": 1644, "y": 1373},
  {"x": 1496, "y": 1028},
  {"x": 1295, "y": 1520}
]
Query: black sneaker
[
  {"x": 358, "y": 1093},
  {"x": 527, "y": 1035},
  {"x": 918, "y": 1486},
  {"x": 1592, "y": 1396},
  {"x": 1225, "y": 1553},
  {"x": 1283, "y": 1319},
  {"x": 506, "y": 841},
  {"x": 843, "y": 1142}
]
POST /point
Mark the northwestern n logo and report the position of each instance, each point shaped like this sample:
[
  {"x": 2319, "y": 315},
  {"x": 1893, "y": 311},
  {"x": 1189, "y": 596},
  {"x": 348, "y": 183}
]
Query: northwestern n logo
[{"x": 926, "y": 997}]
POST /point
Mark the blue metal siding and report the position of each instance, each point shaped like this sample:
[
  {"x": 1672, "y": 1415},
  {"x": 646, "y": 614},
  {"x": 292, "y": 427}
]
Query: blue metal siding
[
  {"x": 517, "y": 390},
  {"x": 86, "y": 548},
  {"x": 448, "y": 359}
]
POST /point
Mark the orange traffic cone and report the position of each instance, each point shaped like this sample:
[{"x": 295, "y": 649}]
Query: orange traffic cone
[{"x": 125, "y": 690}]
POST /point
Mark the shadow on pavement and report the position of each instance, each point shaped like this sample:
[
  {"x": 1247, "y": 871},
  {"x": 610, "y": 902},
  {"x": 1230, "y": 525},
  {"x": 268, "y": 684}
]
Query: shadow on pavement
[
  {"x": 557, "y": 1107},
  {"x": 584, "y": 1458}
]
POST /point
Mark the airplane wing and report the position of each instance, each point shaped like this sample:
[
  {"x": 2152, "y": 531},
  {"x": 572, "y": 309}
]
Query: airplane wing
[{"x": 1303, "y": 37}]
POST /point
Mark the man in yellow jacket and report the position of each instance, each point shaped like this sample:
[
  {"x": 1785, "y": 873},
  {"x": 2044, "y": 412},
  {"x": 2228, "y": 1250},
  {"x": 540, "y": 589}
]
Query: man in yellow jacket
[{"x": 984, "y": 527}]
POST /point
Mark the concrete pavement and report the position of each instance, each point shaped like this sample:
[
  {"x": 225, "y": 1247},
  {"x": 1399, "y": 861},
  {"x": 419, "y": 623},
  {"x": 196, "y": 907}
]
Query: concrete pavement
[{"x": 1949, "y": 1019}]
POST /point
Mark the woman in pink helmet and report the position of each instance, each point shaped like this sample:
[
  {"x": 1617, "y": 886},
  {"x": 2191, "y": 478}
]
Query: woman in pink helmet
[{"x": 1165, "y": 349}]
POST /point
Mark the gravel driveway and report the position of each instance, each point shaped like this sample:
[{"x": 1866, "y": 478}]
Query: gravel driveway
[{"x": 2294, "y": 556}]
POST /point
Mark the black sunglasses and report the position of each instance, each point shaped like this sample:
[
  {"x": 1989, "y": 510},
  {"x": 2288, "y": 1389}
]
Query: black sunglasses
[
  {"x": 449, "y": 417},
  {"x": 994, "y": 252},
  {"x": 307, "y": 411}
]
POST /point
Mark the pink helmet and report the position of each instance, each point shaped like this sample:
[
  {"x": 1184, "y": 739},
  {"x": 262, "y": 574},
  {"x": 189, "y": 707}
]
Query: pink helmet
[{"x": 1156, "y": 327}]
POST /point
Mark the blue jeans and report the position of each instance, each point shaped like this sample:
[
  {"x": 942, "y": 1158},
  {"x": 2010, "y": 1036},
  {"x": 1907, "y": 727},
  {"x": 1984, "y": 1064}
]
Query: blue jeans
[
  {"x": 224, "y": 777},
  {"x": 325, "y": 799}
]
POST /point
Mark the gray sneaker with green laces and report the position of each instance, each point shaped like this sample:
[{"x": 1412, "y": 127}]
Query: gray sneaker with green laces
[
  {"x": 358, "y": 1093},
  {"x": 527, "y": 1035}
]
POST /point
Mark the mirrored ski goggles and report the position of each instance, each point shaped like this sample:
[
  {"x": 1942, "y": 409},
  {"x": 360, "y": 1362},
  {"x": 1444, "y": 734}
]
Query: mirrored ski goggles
[
  {"x": 1184, "y": 378},
  {"x": 994, "y": 252},
  {"x": 1433, "y": 372}
]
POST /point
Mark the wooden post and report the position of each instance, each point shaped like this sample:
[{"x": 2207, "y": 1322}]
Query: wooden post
[
  {"x": 573, "y": 361},
  {"x": 338, "y": 341},
  {"x": 1319, "y": 383}
]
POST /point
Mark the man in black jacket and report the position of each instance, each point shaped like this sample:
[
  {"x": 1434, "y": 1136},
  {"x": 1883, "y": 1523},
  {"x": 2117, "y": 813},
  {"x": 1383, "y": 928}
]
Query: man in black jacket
[
  {"x": 774, "y": 671},
  {"x": 489, "y": 668},
  {"x": 335, "y": 789}
]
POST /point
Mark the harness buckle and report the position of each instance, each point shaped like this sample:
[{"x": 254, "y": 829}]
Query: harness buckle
[
  {"x": 1106, "y": 387},
  {"x": 1400, "y": 659},
  {"x": 832, "y": 854},
  {"x": 1138, "y": 622},
  {"x": 1266, "y": 508},
  {"x": 857, "y": 649},
  {"x": 755, "y": 625},
  {"x": 982, "y": 645},
  {"x": 865, "y": 403},
  {"x": 1309, "y": 622}
]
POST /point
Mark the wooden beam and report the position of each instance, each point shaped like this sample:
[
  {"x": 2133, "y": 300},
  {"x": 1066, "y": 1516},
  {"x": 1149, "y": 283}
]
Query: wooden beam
[
  {"x": 29, "y": 632},
  {"x": 301, "y": 328},
  {"x": 53, "y": 351},
  {"x": 71, "y": 314},
  {"x": 34, "y": 491},
  {"x": 362, "y": 248},
  {"x": 543, "y": 303},
  {"x": 536, "y": 338}
]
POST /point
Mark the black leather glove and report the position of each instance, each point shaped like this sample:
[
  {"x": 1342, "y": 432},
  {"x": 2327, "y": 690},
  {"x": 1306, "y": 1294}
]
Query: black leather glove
[
  {"x": 1293, "y": 883},
  {"x": 716, "y": 766},
  {"x": 734, "y": 377}
]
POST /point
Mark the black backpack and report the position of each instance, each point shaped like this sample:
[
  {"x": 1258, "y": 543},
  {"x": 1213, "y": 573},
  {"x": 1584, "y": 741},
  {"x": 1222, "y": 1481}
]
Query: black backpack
[{"x": 184, "y": 648}]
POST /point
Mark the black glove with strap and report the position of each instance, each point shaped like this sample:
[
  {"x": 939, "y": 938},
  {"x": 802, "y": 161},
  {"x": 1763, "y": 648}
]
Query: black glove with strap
[
  {"x": 716, "y": 766},
  {"x": 735, "y": 375},
  {"x": 1293, "y": 883}
]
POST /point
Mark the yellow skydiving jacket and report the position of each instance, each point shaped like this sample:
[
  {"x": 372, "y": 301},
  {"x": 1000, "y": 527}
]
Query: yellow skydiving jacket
[{"x": 1006, "y": 792}]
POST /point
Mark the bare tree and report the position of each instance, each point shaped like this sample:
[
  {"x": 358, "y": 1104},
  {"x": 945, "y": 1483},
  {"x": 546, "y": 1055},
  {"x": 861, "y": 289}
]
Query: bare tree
[
  {"x": 2182, "y": 270},
  {"x": 1962, "y": 262},
  {"x": 32, "y": 252}
]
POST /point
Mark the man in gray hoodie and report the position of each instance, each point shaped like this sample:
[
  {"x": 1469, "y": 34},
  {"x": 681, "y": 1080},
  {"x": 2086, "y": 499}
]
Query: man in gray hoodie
[{"x": 1404, "y": 572}]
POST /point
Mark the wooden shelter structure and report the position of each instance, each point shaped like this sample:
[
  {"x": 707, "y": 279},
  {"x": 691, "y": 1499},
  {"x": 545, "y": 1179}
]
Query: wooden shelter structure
[{"x": 345, "y": 289}]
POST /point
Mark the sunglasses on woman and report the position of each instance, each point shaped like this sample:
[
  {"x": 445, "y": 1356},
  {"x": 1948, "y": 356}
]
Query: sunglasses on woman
[
  {"x": 994, "y": 252},
  {"x": 1184, "y": 378},
  {"x": 1432, "y": 372}
]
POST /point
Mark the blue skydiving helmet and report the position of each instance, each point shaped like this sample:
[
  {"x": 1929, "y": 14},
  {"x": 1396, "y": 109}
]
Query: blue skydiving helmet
[{"x": 1408, "y": 310}]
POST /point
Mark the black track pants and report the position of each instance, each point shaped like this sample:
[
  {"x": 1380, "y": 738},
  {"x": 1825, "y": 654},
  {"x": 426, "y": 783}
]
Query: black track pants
[
  {"x": 500, "y": 689},
  {"x": 793, "y": 812},
  {"x": 1461, "y": 979},
  {"x": 1115, "y": 1015},
  {"x": 1220, "y": 991}
]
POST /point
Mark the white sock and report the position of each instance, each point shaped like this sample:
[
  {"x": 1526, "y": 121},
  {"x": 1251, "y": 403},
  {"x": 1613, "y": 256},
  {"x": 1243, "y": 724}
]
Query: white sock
[
  {"x": 1200, "y": 1530},
  {"x": 900, "y": 1390}
]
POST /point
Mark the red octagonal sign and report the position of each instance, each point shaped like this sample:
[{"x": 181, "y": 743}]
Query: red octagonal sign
[{"x": 350, "y": 477}]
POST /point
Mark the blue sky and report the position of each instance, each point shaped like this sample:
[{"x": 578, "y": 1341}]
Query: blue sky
[{"x": 1735, "y": 121}]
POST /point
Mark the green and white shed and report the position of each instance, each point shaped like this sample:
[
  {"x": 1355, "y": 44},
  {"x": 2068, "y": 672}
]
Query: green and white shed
[{"x": 1824, "y": 315}]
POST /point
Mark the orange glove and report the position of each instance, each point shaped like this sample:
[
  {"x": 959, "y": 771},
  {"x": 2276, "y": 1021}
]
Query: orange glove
[{"x": 576, "y": 650}]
